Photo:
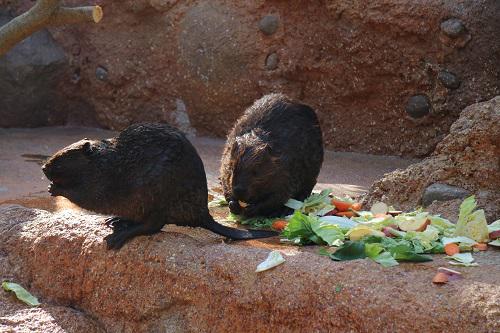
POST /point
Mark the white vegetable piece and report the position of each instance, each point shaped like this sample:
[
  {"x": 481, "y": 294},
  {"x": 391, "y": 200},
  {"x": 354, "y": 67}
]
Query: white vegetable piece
[
  {"x": 274, "y": 259},
  {"x": 379, "y": 208}
]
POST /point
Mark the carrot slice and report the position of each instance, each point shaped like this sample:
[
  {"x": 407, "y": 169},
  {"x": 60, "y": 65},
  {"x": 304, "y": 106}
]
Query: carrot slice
[
  {"x": 345, "y": 214},
  {"x": 451, "y": 249},
  {"x": 279, "y": 225},
  {"x": 481, "y": 246},
  {"x": 356, "y": 206},
  {"x": 341, "y": 206},
  {"x": 440, "y": 278}
]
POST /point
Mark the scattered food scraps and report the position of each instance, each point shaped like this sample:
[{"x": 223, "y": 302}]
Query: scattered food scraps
[
  {"x": 21, "y": 293},
  {"x": 387, "y": 238},
  {"x": 440, "y": 278},
  {"x": 274, "y": 259}
]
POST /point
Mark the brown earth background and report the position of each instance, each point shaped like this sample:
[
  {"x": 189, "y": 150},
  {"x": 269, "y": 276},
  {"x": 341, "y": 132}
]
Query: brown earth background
[{"x": 199, "y": 64}]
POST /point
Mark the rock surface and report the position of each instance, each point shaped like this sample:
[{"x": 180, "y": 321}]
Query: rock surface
[
  {"x": 189, "y": 280},
  {"x": 442, "y": 192},
  {"x": 468, "y": 157},
  {"x": 356, "y": 62},
  {"x": 28, "y": 79}
]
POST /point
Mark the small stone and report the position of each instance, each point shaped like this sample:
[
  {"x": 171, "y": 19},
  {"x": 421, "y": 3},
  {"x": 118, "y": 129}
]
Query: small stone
[
  {"x": 272, "y": 61},
  {"x": 453, "y": 28},
  {"x": 269, "y": 24},
  {"x": 449, "y": 80},
  {"x": 442, "y": 192},
  {"x": 418, "y": 106},
  {"x": 101, "y": 73}
]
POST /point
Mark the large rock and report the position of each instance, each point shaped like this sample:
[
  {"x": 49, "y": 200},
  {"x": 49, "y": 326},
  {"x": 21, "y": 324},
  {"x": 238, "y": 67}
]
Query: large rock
[
  {"x": 357, "y": 62},
  {"x": 189, "y": 280},
  {"x": 29, "y": 75},
  {"x": 468, "y": 157}
]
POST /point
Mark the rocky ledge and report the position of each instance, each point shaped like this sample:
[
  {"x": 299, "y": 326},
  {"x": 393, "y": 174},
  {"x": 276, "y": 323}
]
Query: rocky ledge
[{"x": 190, "y": 280}]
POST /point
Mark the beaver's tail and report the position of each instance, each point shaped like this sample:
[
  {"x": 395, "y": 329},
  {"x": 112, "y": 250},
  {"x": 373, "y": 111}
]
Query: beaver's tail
[{"x": 234, "y": 233}]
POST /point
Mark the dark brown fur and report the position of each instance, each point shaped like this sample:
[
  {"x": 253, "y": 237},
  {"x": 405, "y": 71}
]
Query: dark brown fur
[
  {"x": 273, "y": 153},
  {"x": 148, "y": 176}
]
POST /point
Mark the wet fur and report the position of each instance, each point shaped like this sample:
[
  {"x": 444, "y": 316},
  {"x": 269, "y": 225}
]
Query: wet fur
[
  {"x": 274, "y": 152},
  {"x": 148, "y": 176}
]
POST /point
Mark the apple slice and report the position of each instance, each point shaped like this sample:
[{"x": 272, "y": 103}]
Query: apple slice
[
  {"x": 494, "y": 234},
  {"x": 361, "y": 231},
  {"x": 414, "y": 224}
]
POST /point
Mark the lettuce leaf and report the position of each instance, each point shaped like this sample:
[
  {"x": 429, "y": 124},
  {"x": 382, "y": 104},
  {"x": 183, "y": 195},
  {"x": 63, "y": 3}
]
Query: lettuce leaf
[
  {"x": 21, "y": 293},
  {"x": 495, "y": 226},
  {"x": 472, "y": 224},
  {"x": 458, "y": 239},
  {"x": 310, "y": 229},
  {"x": 385, "y": 259},
  {"x": 350, "y": 251},
  {"x": 273, "y": 259}
]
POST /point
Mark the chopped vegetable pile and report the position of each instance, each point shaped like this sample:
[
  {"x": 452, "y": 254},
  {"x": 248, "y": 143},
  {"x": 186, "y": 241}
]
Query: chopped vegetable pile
[{"x": 387, "y": 236}]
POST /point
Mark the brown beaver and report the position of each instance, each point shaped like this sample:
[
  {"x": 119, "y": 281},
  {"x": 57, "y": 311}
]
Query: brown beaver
[
  {"x": 148, "y": 176},
  {"x": 273, "y": 153}
]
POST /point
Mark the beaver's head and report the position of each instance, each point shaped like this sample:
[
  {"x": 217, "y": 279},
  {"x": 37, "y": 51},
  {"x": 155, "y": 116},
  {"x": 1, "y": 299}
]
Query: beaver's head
[
  {"x": 257, "y": 171},
  {"x": 72, "y": 170}
]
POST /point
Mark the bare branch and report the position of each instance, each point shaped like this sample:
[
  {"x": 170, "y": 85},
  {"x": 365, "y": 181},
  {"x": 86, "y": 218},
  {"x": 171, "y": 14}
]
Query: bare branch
[{"x": 44, "y": 13}]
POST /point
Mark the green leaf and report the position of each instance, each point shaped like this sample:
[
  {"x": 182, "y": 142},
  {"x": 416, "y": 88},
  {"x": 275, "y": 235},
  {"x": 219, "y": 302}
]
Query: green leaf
[
  {"x": 21, "y": 293},
  {"x": 458, "y": 239},
  {"x": 385, "y": 259},
  {"x": 472, "y": 224},
  {"x": 273, "y": 259},
  {"x": 294, "y": 204},
  {"x": 495, "y": 226},
  {"x": 299, "y": 226},
  {"x": 328, "y": 232},
  {"x": 350, "y": 251},
  {"x": 465, "y": 258},
  {"x": 372, "y": 250},
  {"x": 406, "y": 253},
  {"x": 496, "y": 242}
]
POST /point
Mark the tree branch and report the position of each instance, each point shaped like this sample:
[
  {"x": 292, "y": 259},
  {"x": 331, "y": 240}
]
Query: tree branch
[{"x": 44, "y": 13}]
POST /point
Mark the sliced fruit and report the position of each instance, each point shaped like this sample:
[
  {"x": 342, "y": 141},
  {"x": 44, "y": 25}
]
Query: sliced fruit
[
  {"x": 494, "y": 234},
  {"x": 481, "y": 246},
  {"x": 356, "y": 206},
  {"x": 379, "y": 208},
  {"x": 361, "y": 231},
  {"x": 440, "y": 278},
  {"x": 414, "y": 224}
]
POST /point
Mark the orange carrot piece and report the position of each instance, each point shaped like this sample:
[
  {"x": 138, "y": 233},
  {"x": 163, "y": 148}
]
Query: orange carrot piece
[
  {"x": 341, "y": 206},
  {"x": 451, "y": 249},
  {"x": 345, "y": 214},
  {"x": 356, "y": 206},
  {"x": 440, "y": 278},
  {"x": 279, "y": 225},
  {"x": 481, "y": 246}
]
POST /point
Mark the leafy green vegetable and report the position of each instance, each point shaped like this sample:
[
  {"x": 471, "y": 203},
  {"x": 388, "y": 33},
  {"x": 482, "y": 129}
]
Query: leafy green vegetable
[
  {"x": 465, "y": 258},
  {"x": 21, "y": 293},
  {"x": 299, "y": 227},
  {"x": 273, "y": 259},
  {"x": 458, "y": 239},
  {"x": 309, "y": 229},
  {"x": 350, "y": 251},
  {"x": 405, "y": 253},
  {"x": 496, "y": 242},
  {"x": 495, "y": 226},
  {"x": 425, "y": 237},
  {"x": 373, "y": 249},
  {"x": 471, "y": 224},
  {"x": 257, "y": 222},
  {"x": 385, "y": 259},
  {"x": 328, "y": 232},
  {"x": 317, "y": 203}
]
